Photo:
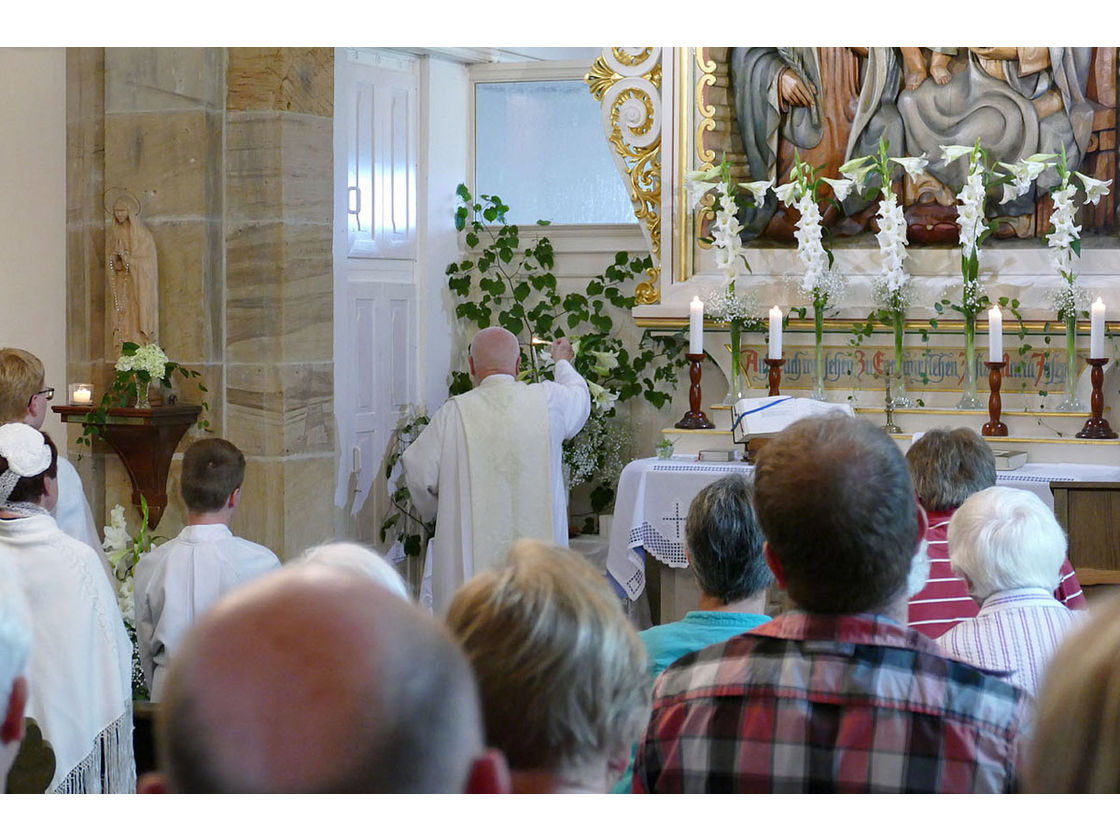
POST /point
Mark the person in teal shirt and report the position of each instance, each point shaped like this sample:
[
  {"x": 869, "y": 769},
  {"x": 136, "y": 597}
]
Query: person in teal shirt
[{"x": 723, "y": 543}]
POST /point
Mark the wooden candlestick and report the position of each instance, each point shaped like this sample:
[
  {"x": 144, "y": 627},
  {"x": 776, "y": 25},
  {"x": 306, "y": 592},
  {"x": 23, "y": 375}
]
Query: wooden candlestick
[
  {"x": 775, "y": 376},
  {"x": 694, "y": 418},
  {"x": 994, "y": 428},
  {"x": 1096, "y": 427}
]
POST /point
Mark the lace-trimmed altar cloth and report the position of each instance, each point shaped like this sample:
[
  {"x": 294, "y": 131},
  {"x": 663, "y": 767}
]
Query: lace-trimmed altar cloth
[{"x": 654, "y": 496}]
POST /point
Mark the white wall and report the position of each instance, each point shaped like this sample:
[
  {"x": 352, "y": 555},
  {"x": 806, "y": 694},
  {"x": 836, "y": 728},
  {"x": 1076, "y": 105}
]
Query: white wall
[
  {"x": 443, "y": 165},
  {"x": 33, "y": 211}
]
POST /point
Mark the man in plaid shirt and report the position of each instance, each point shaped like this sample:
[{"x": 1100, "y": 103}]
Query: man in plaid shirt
[{"x": 837, "y": 695}]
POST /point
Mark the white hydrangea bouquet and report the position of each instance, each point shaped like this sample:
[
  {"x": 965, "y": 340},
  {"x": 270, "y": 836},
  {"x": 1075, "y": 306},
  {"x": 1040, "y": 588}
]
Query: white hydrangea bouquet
[
  {"x": 138, "y": 368},
  {"x": 891, "y": 287},
  {"x": 738, "y": 309},
  {"x": 123, "y": 552},
  {"x": 820, "y": 281}
]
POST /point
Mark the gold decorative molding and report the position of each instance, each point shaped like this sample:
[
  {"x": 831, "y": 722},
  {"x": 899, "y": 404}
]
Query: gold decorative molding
[{"x": 627, "y": 85}]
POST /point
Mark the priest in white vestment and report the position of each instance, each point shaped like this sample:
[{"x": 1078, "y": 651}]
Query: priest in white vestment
[
  {"x": 80, "y": 670},
  {"x": 488, "y": 465},
  {"x": 24, "y": 399}
]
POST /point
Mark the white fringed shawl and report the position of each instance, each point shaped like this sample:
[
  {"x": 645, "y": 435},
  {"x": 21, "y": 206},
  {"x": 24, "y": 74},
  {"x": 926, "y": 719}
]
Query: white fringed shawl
[{"x": 80, "y": 668}]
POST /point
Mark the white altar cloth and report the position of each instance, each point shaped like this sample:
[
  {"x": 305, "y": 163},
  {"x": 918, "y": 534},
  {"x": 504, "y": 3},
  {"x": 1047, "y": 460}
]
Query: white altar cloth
[{"x": 654, "y": 495}]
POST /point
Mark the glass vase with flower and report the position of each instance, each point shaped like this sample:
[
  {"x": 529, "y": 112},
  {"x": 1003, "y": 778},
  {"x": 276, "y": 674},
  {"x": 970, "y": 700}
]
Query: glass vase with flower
[
  {"x": 820, "y": 282},
  {"x": 1064, "y": 241},
  {"x": 892, "y": 285},
  {"x": 736, "y": 309}
]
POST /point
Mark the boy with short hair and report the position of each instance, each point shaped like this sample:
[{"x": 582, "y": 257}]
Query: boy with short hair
[{"x": 178, "y": 581}]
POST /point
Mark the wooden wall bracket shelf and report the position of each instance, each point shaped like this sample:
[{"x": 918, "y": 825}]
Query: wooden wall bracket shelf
[{"x": 145, "y": 439}]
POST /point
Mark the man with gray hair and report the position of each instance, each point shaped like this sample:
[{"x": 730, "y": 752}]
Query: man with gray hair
[
  {"x": 317, "y": 679},
  {"x": 15, "y": 645},
  {"x": 1008, "y": 548},
  {"x": 836, "y": 695},
  {"x": 948, "y": 466},
  {"x": 488, "y": 465}
]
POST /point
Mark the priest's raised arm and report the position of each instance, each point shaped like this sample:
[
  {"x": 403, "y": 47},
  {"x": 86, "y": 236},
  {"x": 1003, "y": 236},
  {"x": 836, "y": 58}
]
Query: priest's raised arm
[{"x": 488, "y": 465}]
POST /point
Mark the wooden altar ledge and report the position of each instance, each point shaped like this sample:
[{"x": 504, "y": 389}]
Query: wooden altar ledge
[{"x": 145, "y": 439}]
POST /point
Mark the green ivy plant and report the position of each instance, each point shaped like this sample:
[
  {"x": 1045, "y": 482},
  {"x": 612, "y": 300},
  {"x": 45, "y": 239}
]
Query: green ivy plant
[
  {"x": 403, "y": 521},
  {"x": 510, "y": 282}
]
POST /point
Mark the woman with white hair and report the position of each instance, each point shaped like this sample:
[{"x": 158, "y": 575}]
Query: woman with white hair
[{"x": 1009, "y": 549}]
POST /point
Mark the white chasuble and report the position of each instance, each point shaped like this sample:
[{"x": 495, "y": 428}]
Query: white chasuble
[
  {"x": 506, "y": 430},
  {"x": 520, "y": 446}
]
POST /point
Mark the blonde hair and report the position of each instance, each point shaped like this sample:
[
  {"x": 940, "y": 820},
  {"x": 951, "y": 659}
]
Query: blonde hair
[
  {"x": 21, "y": 375},
  {"x": 562, "y": 673},
  {"x": 1076, "y": 743}
]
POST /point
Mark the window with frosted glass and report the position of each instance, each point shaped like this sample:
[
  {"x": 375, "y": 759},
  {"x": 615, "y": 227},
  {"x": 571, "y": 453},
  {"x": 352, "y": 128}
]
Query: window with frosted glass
[{"x": 540, "y": 146}]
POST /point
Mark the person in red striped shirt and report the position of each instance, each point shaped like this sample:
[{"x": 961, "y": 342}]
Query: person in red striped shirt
[{"x": 948, "y": 466}]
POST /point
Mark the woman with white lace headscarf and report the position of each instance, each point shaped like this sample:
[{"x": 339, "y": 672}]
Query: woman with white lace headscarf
[{"x": 79, "y": 673}]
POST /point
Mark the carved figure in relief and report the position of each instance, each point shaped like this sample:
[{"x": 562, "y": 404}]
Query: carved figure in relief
[
  {"x": 132, "y": 276},
  {"x": 831, "y": 104},
  {"x": 1017, "y": 100},
  {"x": 808, "y": 100}
]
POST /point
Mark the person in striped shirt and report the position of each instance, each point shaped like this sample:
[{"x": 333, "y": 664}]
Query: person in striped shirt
[
  {"x": 948, "y": 466},
  {"x": 1008, "y": 547}
]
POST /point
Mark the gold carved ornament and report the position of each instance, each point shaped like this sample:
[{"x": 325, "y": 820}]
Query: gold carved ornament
[{"x": 628, "y": 87}]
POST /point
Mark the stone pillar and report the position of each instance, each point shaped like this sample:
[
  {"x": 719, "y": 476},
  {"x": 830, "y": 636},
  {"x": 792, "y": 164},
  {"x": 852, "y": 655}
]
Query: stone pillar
[
  {"x": 230, "y": 154},
  {"x": 279, "y": 295}
]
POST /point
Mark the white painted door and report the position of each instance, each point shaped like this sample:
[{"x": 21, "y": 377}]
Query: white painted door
[{"x": 375, "y": 275}]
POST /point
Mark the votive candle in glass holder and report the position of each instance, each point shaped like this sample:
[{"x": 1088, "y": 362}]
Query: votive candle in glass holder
[{"x": 81, "y": 393}]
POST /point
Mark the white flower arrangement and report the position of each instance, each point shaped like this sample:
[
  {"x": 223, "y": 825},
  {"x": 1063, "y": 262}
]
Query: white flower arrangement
[
  {"x": 1064, "y": 238},
  {"x": 892, "y": 285},
  {"x": 148, "y": 360},
  {"x": 819, "y": 281},
  {"x": 726, "y": 231},
  {"x": 123, "y": 552}
]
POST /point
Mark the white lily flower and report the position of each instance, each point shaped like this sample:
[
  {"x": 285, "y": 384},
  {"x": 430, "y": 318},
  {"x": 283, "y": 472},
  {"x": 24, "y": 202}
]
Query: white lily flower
[
  {"x": 840, "y": 188},
  {"x": 951, "y": 153},
  {"x": 1010, "y": 193},
  {"x": 855, "y": 165},
  {"x": 1094, "y": 189},
  {"x": 786, "y": 193},
  {"x": 914, "y": 166},
  {"x": 758, "y": 189}
]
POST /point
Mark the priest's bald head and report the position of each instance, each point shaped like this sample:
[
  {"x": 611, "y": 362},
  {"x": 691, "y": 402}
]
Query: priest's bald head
[
  {"x": 494, "y": 350},
  {"x": 316, "y": 679}
]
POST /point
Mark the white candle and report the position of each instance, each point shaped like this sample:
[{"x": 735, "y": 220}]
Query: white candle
[
  {"x": 81, "y": 395},
  {"x": 696, "y": 327},
  {"x": 775, "y": 333},
  {"x": 1096, "y": 330},
  {"x": 995, "y": 335}
]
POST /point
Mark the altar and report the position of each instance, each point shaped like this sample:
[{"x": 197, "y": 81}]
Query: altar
[{"x": 654, "y": 495}]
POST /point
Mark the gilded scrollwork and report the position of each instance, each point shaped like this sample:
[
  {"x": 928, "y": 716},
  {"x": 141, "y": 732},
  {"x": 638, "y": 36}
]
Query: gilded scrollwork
[{"x": 627, "y": 85}]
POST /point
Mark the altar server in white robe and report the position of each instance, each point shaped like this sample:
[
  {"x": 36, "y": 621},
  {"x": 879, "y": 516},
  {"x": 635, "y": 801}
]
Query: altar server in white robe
[
  {"x": 488, "y": 465},
  {"x": 80, "y": 670},
  {"x": 178, "y": 581},
  {"x": 24, "y": 399}
]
